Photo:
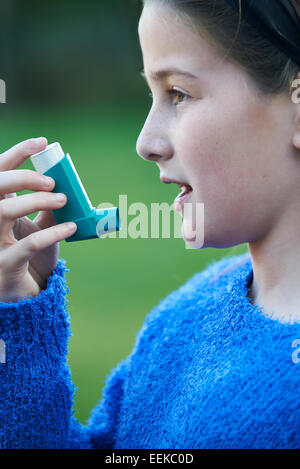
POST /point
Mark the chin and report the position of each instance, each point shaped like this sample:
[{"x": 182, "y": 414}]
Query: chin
[
  {"x": 192, "y": 228},
  {"x": 194, "y": 239}
]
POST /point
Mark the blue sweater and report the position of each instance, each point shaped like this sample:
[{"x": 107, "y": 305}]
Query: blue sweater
[{"x": 208, "y": 370}]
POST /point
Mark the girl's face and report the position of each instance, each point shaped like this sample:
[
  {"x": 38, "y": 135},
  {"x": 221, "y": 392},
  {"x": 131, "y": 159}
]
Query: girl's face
[{"x": 210, "y": 127}]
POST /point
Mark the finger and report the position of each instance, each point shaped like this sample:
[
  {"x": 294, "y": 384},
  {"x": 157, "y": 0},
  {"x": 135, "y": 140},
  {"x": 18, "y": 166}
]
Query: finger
[
  {"x": 14, "y": 257},
  {"x": 20, "y": 179},
  {"x": 17, "y": 207},
  {"x": 17, "y": 155},
  {"x": 45, "y": 219}
]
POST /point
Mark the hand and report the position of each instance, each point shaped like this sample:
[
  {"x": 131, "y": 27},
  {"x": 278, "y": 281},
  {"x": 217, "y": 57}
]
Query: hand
[{"x": 29, "y": 250}]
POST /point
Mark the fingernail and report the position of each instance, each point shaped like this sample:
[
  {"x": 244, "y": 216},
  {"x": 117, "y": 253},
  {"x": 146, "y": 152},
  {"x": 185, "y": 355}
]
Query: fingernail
[
  {"x": 48, "y": 181},
  {"x": 60, "y": 197},
  {"x": 71, "y": 226},
  {"x": 40, "y": 140}
]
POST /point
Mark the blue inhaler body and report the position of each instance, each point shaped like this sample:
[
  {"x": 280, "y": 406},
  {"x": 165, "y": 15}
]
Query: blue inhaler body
[{"x": 91, "y": 222}]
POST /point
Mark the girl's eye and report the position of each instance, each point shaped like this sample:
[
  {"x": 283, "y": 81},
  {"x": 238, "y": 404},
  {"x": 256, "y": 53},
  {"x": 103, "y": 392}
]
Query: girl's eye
[{"x": 179, "y": 96}]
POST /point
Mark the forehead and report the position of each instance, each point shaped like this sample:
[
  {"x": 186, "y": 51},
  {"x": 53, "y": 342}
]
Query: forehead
[{"x": 167, "y": 40}]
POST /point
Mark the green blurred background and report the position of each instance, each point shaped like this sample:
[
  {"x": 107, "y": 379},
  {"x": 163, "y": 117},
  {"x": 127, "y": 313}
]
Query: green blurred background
[{"x": 72, "y": 71}]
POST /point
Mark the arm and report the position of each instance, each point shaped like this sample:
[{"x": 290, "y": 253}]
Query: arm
[{"x": 35, "y": 384}]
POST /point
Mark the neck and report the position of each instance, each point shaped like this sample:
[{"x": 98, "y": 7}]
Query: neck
[{"x": 276, "y": 270}]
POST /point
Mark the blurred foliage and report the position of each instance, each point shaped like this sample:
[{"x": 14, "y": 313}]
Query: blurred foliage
[
  {"x": 72, "y": 72},
  {"x": 70, "y": 50}
]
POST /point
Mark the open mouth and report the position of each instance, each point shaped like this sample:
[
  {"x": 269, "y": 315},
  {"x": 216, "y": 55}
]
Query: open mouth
[
  {"x": 186, "y": 189},
  {"x": 185, "y": 194},
  {"x": 183, "y": 197}
]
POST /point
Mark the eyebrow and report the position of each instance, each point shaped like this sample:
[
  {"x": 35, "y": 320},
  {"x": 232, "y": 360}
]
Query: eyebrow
[{"x": 161, "y": 74}]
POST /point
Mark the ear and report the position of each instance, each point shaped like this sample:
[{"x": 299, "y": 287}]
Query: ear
[{"x": 296, "y": 103}]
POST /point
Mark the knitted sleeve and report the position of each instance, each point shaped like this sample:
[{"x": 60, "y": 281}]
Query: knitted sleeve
[{"x": 36, "y": 391}]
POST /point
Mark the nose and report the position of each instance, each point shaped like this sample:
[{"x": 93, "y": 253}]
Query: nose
[{"x": 153, "y": 143}]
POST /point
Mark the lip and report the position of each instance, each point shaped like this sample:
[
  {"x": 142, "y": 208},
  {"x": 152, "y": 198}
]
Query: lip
[
  {"x": 179, "y": 202},
  {"x": 171, "y": 181}
]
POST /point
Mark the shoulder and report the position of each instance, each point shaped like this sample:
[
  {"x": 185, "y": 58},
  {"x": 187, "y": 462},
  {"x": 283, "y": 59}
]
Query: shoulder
[
  {"x": 191, "y": 299},
  {"x": 215, "y": 276}
]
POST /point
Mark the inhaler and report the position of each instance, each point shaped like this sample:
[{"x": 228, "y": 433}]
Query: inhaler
[{"x": 91, "y": 222}]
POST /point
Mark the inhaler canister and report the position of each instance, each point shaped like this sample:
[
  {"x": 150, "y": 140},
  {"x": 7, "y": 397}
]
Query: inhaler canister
[{"x": 91, "y": 222}]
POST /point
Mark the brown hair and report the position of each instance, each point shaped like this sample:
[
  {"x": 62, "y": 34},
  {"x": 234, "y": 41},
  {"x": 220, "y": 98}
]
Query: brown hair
[{"x": 270, "y": 69}]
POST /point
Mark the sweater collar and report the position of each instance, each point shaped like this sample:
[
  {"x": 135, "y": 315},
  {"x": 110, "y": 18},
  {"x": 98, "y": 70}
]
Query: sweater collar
[{"x": 242, "y": 279}]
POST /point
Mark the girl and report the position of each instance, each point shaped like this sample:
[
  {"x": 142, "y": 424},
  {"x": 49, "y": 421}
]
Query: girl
[{"x": 215, "y": 364}]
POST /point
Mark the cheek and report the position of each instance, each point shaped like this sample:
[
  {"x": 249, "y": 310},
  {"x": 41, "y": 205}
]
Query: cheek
[
  {"x": 218, "y": 150},
  {"x": 204, "y": 148}
]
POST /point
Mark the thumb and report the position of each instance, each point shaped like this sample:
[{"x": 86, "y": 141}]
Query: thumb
[{"x": 45, "y": 219}]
